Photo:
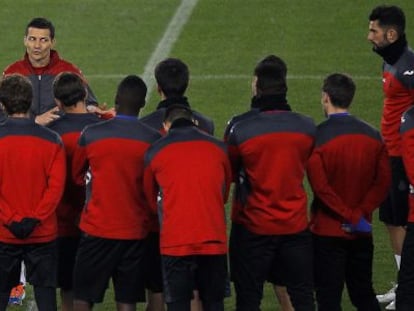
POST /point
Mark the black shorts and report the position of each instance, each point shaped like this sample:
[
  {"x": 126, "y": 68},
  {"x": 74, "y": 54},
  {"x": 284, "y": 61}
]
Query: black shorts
[
  {"x": 100, "y": 259},
  {"x": 405, "y": 290},
  {"x": 340, "y": 261},
  {"x": 207, "y": 273},
  {"x": 252, "y": 261},
  {"x": 394, "y": 210},
  {"x": 154, "y": 270},
  {"x": 67, "y": 250},
  {"x": 276, "y": 274},
  {"x": 40, "y": 260}
]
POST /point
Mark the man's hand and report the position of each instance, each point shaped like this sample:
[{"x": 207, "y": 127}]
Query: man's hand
[
  {"x": 102, "y": 110},
  {"x": 48, "y": 116},
  {"x": 22, "y": 229},
  {"x": 16, "y": 229},
  {"x": 363, "y": 226}
]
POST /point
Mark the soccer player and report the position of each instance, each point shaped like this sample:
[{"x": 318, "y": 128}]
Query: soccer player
[
  {"x": 387, "y": 35},
  {"x": 70, "y": 95},
  {"x": 41, "y": 64},
  {"x": 190, "y": 171},
  {"x": 269, "y": 148},
  {"x": 172, "y": 76},
  {"x": 32, "y": 182},
  {"x": 405, "y": 291},
  {"x": 276, "y": 275},
  {"x": 350, "y": 175},
  {"x": 115, "y": 217}
]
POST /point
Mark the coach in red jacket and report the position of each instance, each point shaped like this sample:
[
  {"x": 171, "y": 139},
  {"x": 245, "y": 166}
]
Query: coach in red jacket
[
  {"x": 191, "y": 172},
  {"x": 41, "y": 64},
  {"x": 269, "y": 149},
  {"x": 32, "y": 174}
]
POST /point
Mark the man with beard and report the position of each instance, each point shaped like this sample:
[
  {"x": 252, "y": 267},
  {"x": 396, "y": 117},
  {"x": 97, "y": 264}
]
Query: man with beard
[{"x": 387, "y": 34}]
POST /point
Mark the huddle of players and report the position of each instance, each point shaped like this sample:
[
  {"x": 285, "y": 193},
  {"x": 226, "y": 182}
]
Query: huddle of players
[
  {"x": 169, "y": 163},
  {"x": 153, "y": 213}
]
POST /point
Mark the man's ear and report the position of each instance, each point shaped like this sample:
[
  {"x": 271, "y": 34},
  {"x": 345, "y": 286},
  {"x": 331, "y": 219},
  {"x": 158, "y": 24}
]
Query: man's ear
[
  {"x": 166, "y": 126},
  {"x": 254, "y": 85},
  {"x": 59, "y": 103},
  {"x": 159, "y": 91},
  {"x": 325, "y": 98},
  {"x": 392, "y": 35}
]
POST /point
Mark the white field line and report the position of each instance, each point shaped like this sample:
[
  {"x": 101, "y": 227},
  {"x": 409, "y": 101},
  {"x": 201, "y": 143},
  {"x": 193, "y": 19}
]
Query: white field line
[
  {"x": 170, "y": 36},
  {"x": 229, "y": 77}
]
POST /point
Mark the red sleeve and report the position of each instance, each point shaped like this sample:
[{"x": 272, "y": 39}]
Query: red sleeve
[
  {"x": 7, "y": 214},
  {"x": 56, "y": 183},
  {"x": 79, "y": 166},
  {"x": 380, "y": 185},
  {"x": 150, "y": 189},
  {"x": 228, "y": 175},
  {"x": 412, "y": 94},
  {"x": 320, "y": 185},
  {"x": 408, "y": 154}
]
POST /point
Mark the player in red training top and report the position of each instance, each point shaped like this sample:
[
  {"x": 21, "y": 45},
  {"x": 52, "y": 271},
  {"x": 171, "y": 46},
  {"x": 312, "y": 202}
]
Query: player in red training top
[
  {"x": 33, "y": 178},
  {"x": 269, "y": 149},
  {"x": 404, "y": 292},
  {"x": 387, "y": 35},
  {"x": 115, "y": 217},
  {"x": 350, "y": 175},
  {"x": 190, "y": 172},
  {"x": 172, "y": 76},
  {"x": 70, "y": 95},
  {"x": 276, "y": 274}
]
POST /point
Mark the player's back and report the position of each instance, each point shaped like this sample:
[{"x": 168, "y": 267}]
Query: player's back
[
  {"x": 272, "y": 148},
  {"x": 114, "y": 151},
  {"x": 69, "y": 127},
  {"x": 193, "y": 174},
  {"x": 349, "y": 173},
  {"x": 32, "y": 167}
]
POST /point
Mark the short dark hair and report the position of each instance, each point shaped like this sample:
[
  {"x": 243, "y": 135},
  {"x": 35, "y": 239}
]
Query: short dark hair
[
  {"x": 389, "y": 16},
  {"x": 172, "y": 76},
  {"x": 16, "y": 94},
  {"x": 340, "y": 89},
  {"x": 271, "y": 76},
  {"x": 69, "y": 88},
  {"x": 41, "y": 23},
  {"x": 175, "y": 112},
  {"x": 130, "y": 96}
]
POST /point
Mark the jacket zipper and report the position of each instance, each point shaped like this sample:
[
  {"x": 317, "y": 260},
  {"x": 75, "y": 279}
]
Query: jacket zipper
[{"x": 39, "y": 89}]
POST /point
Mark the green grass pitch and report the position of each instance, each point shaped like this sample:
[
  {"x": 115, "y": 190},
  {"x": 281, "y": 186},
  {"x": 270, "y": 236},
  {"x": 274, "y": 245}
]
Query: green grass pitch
[{"x": 221, "y": 42}]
